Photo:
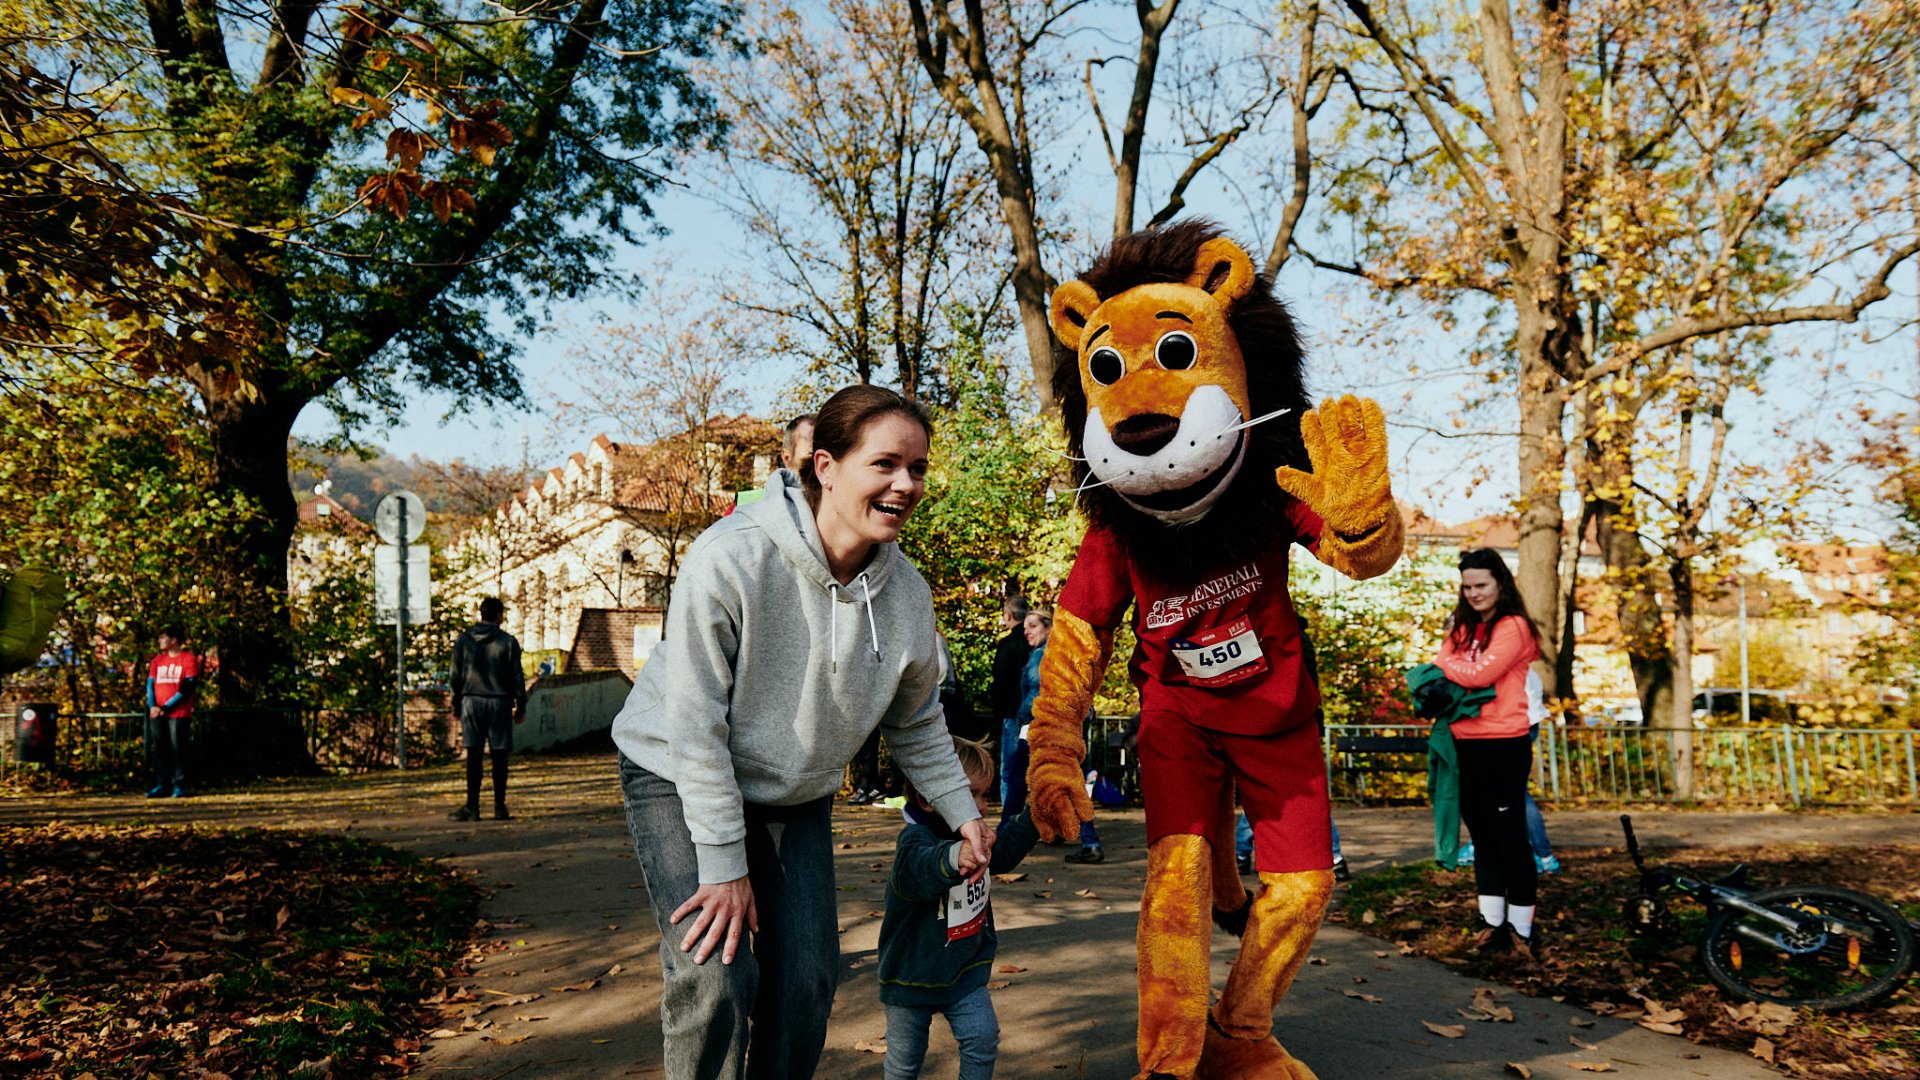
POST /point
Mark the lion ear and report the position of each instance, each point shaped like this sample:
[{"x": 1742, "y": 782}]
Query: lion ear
[
  {"x": 1222, "y": 269},
  {"x": 1074, "y": 302}
]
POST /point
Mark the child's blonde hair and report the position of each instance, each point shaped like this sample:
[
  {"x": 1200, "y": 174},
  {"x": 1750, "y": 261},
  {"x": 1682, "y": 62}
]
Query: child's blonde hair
[{"x": 975, "y": 760}]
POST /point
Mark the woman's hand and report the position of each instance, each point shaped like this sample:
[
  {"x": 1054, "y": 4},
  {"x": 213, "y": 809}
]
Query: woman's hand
[
  {"x": 724, "y": 909},
  {"x": 979, "y": 849}
]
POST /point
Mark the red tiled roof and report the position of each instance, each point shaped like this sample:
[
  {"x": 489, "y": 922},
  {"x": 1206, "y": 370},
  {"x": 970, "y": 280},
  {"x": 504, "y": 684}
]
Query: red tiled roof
[{"x": 336, "y": 517}]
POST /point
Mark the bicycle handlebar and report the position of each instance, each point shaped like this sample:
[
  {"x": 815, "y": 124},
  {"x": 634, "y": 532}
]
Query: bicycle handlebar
[{"x": 1633, "y": 843}]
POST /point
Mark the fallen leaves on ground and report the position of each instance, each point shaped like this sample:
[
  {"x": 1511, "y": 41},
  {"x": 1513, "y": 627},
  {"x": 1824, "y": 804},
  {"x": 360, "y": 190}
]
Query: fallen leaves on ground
[
  {"x": 1485, "y": 1008},
  {"x": 194, "y": 951},
  {"x": 1587, "y": 957},
  {"x": 1447, "y": 1031},
  {"x": 1520, "y": 1070}
]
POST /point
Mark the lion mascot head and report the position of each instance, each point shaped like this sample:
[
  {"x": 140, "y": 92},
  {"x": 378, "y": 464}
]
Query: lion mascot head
[{"x": 1171, "y": 358}]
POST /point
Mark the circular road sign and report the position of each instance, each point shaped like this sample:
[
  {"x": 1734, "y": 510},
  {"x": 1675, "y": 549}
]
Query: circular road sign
[{"x": 386, "y": 517}]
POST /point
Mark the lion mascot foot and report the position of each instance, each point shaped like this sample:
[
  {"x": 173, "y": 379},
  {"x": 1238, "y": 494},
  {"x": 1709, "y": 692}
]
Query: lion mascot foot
[
  {"x": 1239, "y": 1040},
  {"x": 1249, "y": 1059}
]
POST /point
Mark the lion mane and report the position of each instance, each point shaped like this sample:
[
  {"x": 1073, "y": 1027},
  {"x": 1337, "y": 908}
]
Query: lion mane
[{"x": 1239, "y": 524}]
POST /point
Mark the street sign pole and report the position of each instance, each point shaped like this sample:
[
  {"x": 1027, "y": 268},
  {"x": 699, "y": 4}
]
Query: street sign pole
[
  {"x": 400, "y": 650},
  {"x": 400, "y": 519}
]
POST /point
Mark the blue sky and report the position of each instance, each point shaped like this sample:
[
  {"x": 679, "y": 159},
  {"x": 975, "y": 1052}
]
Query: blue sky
[{"x": 1454, "y": 470}]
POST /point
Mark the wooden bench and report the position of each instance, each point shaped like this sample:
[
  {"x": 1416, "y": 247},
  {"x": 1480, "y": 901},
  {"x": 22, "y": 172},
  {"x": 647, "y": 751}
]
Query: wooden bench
[
  {"x": 1380, "y": 744},
  {"x": 1360, "y": 756}
]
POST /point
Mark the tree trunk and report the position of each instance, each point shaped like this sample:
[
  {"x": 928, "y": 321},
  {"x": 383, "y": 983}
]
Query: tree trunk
[
  {"x": 1678, "y": 717},
  {"x": 1542, "y": 459},
  {"x": 256, "y": 643},
  {"x": 1031, "y": 286},
  {"x": 1643, "y": 630},
  {"x": 250, "y": 457}
]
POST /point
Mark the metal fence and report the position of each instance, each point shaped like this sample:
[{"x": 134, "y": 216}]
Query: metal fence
[
  {"x": 1785, "y": 766},
  {"x": 104, "y": 744},
  {"x": 110, "y": 748}
]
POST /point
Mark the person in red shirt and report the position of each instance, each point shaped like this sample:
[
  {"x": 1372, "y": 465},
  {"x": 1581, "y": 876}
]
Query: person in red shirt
[
  {"x": 172, "y": 685},
  {"x": 1491, "y": 644}
]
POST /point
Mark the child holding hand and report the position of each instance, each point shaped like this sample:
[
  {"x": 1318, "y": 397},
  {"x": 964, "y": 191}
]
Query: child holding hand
[{"x": 936, "y": 938}]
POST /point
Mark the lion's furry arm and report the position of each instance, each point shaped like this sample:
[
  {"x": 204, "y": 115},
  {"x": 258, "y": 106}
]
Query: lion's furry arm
[{"x": 1075, "y": 661}]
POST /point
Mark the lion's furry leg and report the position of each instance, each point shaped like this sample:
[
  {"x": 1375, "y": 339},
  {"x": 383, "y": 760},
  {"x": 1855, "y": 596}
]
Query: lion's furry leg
[
  {"x": 1285, "y": 917},
  {"x": 1175, "y": 936}
]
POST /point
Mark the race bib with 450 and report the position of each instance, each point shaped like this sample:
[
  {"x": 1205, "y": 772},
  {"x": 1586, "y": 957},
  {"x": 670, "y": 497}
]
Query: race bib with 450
[{"x": 1221, "y": 656}]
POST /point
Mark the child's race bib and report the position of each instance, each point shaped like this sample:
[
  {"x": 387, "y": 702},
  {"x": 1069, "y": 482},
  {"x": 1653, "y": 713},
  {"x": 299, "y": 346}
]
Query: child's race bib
[
  {"x": 967, "y": 908},
  {"x": 1220, "y": 656}
]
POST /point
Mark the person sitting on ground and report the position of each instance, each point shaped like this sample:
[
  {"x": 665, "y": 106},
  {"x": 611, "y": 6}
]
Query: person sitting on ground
[{"x": 937, "y": 940}]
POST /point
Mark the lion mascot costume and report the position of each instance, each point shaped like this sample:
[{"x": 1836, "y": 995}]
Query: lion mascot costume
[{"x": 1179, "y": 383}]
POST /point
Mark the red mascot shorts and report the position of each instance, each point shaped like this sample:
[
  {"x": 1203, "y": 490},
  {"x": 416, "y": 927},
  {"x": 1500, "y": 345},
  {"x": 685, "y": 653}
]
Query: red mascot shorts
[{"x": 1281, "y": 780}]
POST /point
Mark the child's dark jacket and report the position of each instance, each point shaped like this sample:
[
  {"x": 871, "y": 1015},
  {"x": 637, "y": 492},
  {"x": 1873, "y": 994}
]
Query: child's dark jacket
[{"x": 918, "y": 965}]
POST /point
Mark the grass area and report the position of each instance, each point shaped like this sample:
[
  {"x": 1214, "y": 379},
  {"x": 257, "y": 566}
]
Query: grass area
[
  {"x": 1587, "y": 954},
  {"x": 138, "y": 951}
]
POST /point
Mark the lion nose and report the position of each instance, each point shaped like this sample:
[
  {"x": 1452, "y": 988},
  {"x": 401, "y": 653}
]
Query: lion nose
[{"x": 1146, "y": 433}]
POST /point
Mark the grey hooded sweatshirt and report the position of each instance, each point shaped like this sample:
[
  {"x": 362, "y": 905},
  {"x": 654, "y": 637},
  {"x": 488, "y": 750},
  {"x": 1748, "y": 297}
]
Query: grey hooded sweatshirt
[{"x": 771, "y": 674}]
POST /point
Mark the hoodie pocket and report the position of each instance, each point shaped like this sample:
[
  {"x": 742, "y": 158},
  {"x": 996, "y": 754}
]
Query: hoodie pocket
[{"x": 794, "y": 781}]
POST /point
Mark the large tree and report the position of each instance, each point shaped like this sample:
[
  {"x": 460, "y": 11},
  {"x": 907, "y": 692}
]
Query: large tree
[
  {"x": 371, "y": 187},
  {"x": 993, "y": 66},
  {"x": 854, "y": 179},
  {"x": 1625, "y": 179}
]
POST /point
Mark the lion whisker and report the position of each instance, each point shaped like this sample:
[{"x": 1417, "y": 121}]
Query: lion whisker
[
  {"x": 1091, "y": 486},
  {"x": 1274, "y": 415}
]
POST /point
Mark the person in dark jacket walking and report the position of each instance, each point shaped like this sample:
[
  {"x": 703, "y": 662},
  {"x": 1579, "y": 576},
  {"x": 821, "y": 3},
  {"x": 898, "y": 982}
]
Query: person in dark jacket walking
[
  {"x": 489, "y": 698},
  {"x": 937, "y": 940},
  {"x": 1009, "y": 663}
]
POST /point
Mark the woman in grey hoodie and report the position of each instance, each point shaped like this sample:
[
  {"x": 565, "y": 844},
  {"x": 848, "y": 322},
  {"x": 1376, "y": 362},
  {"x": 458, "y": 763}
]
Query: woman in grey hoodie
[{"x": 795, "y": 628}]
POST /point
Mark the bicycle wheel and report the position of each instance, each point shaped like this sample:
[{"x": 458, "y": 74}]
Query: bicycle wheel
[{"x": 1843, "y": 950}]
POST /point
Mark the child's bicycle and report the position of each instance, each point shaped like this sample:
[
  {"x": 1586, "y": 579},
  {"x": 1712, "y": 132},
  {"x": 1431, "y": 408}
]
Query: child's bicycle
[{"x": 1806, "y": 946}]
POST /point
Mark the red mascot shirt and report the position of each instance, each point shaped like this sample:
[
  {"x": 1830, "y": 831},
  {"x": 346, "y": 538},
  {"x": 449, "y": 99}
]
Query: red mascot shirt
[{"x": 1223, "y": 648}]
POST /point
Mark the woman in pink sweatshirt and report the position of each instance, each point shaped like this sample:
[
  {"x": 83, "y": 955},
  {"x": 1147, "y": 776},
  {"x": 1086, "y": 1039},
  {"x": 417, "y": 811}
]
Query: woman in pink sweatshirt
[{"x": 1490, "y": 643}]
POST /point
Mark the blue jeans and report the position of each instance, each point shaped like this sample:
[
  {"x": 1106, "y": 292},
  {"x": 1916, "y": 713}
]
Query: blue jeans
[
  {"x": 1536, "y": 825},
  {"x": 1009, "y": 739},
  {"x": 1537, "y": 830},
  {"x": 1014, "y": 777},
  {"x": 974, "y": 1026},
  {"x": 167, "y": 750},
  {"x": 764, "y": 1016}
]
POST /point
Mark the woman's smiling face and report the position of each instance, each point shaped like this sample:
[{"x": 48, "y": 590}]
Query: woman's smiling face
[{"x": 872, "y": 490}]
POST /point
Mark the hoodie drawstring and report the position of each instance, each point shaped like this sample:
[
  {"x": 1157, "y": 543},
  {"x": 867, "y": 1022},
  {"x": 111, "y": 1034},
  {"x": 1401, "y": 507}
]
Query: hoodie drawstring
[
  {"x": 873, "y": 632},
  {"x": 833, "y": 625},
  {"x": 833, "y": 619}
]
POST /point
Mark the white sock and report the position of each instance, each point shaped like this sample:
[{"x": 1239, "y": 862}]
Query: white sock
[
  {"x": 1494, "y": 910},
  {"x": 1522, "y": 919}
]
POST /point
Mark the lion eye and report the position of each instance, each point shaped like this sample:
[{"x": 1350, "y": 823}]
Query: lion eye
[
  {"x": 1106, "y": 366},
  {"x": 1176, "y": 351}
]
